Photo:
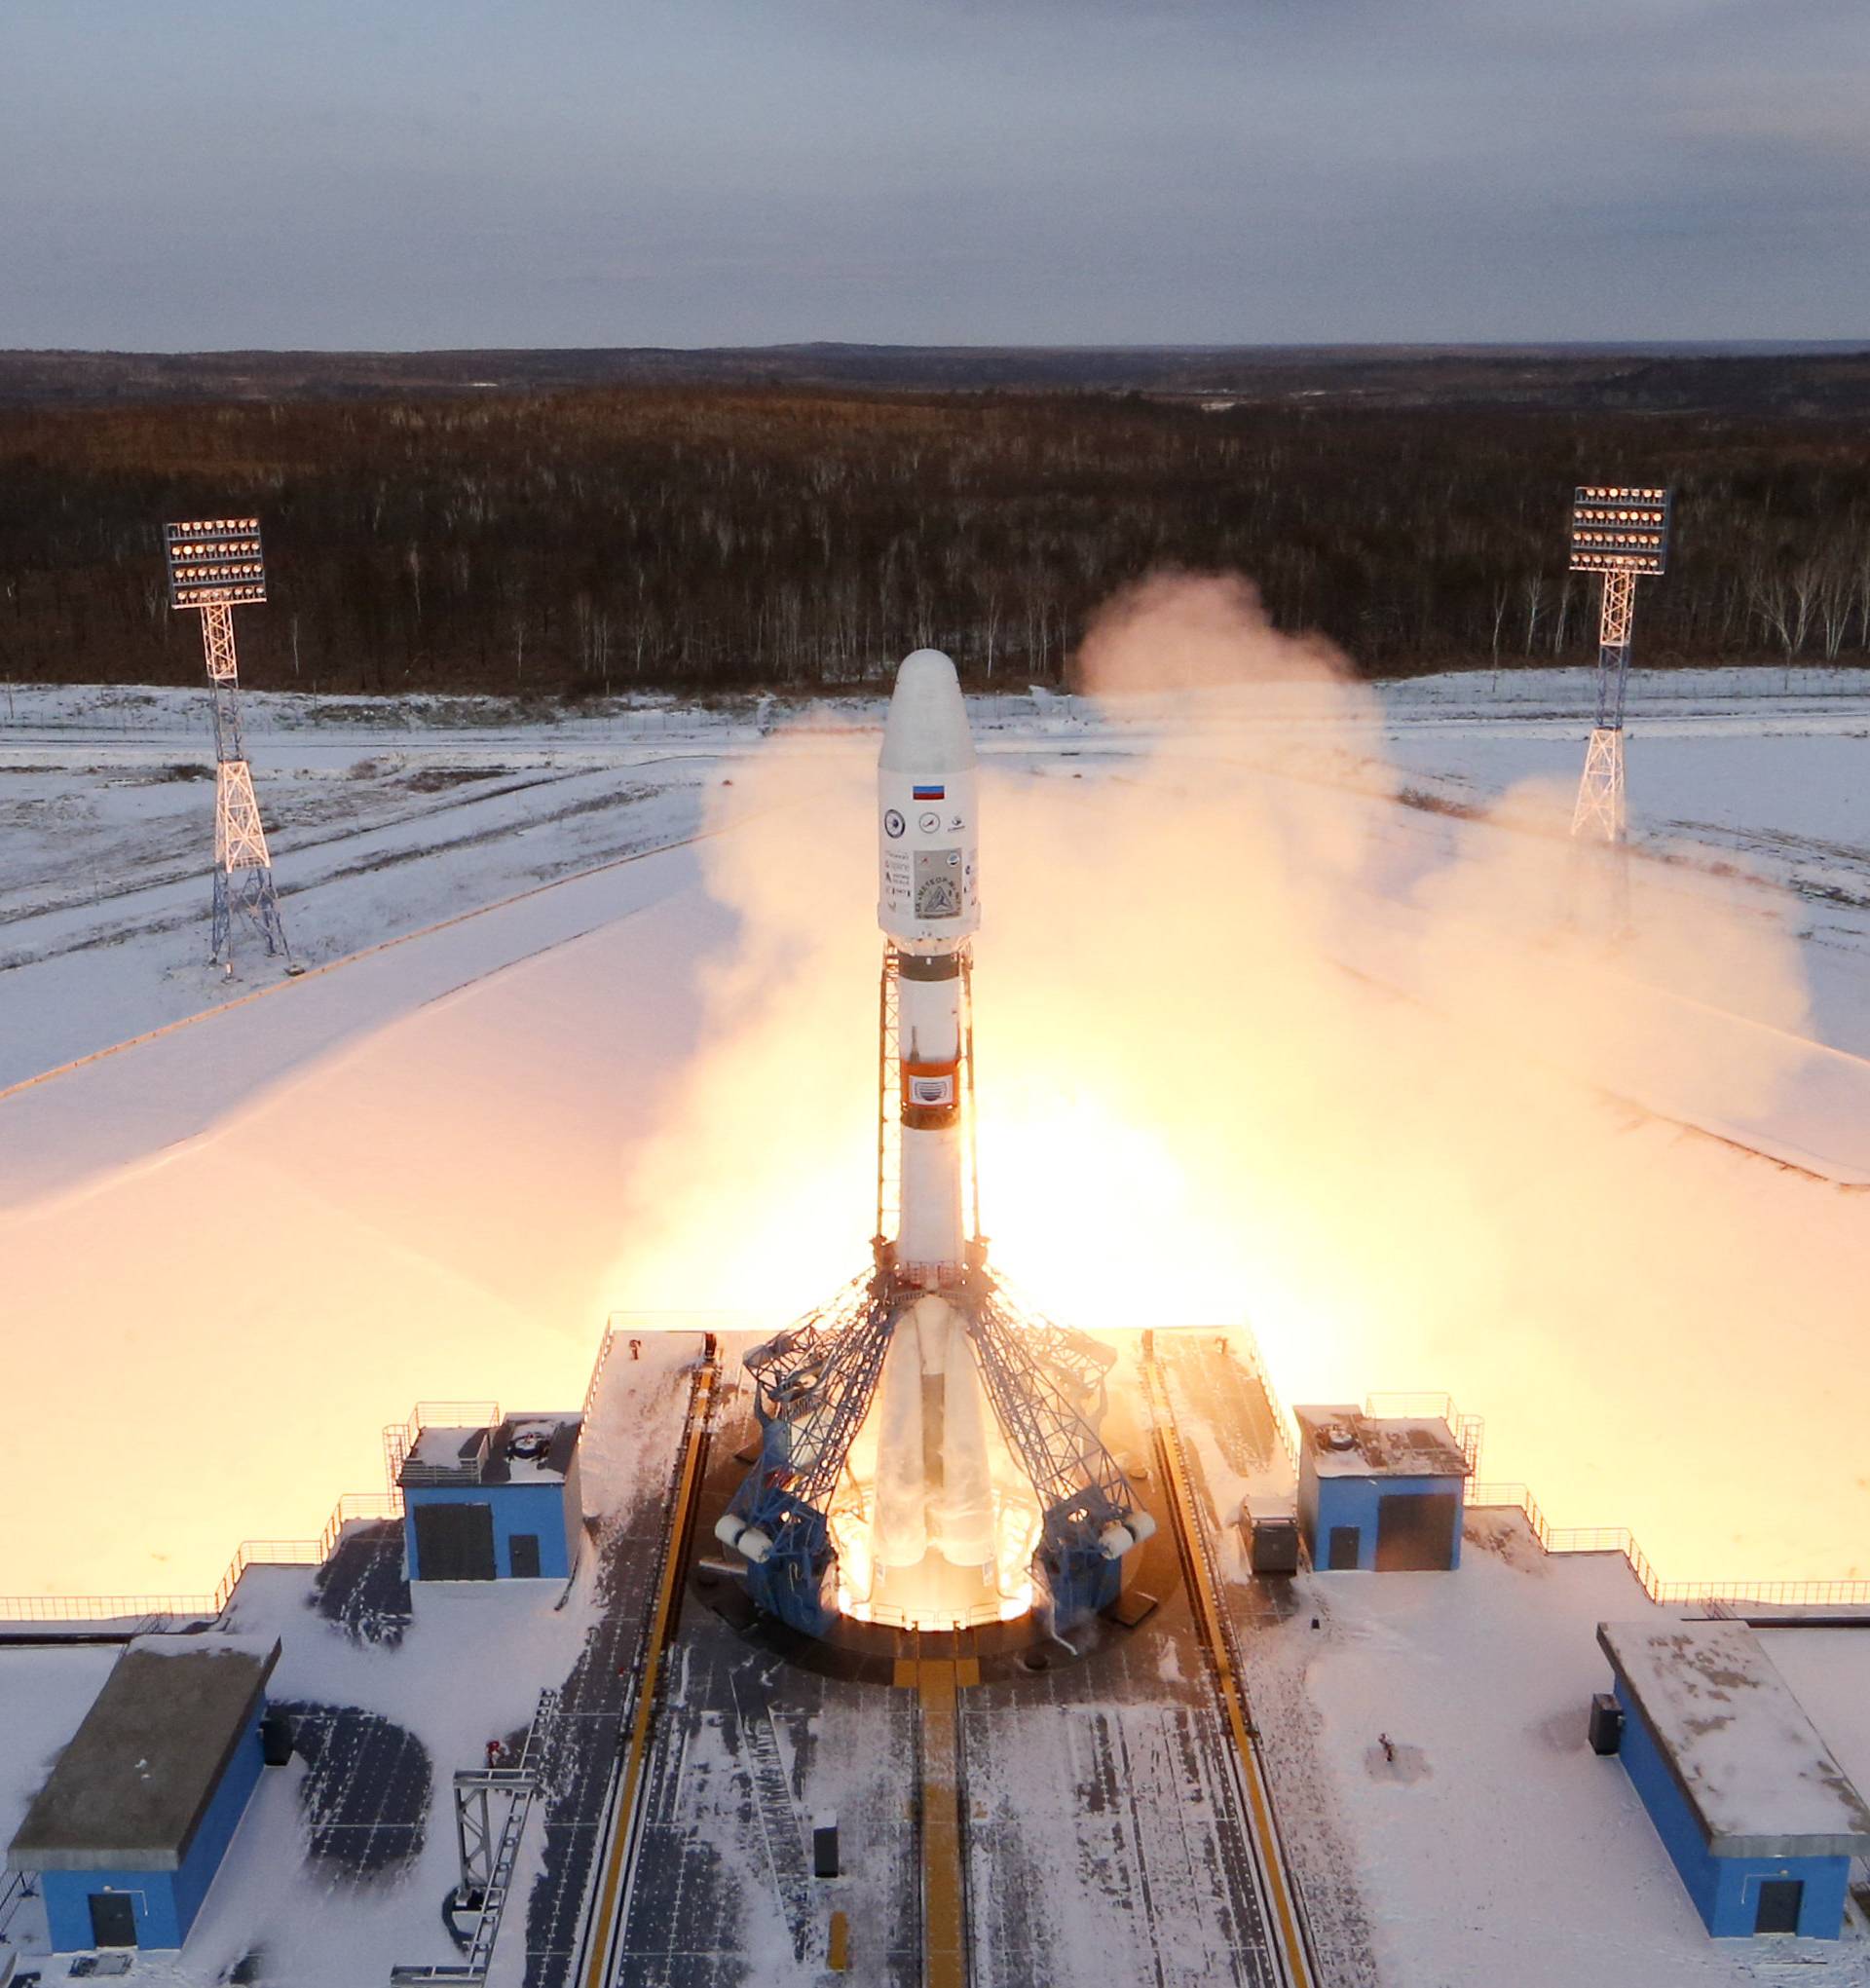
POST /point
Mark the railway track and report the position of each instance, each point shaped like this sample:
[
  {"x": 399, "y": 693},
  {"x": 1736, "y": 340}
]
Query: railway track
[
  {"x": 934, "y": 1667},
  {"x": 1280, "y": 1902},
  {"x": 609, "y": 1897},
  {"x": 650, "y": 1915}
]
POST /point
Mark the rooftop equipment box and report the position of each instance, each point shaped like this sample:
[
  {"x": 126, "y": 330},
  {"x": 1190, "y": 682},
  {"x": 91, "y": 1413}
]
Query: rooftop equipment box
[
  {"x": 1383, "y": 1494},
  {"x": 500, "y": 1503}
]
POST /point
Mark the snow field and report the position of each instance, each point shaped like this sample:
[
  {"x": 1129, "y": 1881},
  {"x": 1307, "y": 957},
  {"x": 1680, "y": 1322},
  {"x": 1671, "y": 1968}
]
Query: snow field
[{"x": 1496, "y": 1846}]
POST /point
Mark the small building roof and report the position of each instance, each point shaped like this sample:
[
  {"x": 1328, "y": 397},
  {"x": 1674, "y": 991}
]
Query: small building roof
[
  {"x": 1754, "y": 1769},
  {"x": 1340, "y": 1440},
  {"x": 521, "y": 1449},
  {"x": 131, "y": 1790}
]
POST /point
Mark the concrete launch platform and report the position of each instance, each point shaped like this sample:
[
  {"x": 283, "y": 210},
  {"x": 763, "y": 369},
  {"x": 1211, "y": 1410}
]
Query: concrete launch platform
[{"x": 1101, "y": 1831}]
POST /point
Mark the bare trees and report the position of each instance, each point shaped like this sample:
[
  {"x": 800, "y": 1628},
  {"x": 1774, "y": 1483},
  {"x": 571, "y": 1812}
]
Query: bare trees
[
  {"x": 702, "y": 538},
  {"x": 1821, "y": 594}
]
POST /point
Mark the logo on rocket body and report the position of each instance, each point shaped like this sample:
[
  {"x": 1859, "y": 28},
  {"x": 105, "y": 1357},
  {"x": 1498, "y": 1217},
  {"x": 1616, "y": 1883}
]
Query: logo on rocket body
[{"x": 929, "y": 897}]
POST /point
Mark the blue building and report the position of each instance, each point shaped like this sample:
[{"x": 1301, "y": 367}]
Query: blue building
[
  {"x": 133, "y": 1824},
  {"x": 1756, "y": 1813},
  {"x": 1383, "y": 1494},
  {"x": 494, "y": 1504}
]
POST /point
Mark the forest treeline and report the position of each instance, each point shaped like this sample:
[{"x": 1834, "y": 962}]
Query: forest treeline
[{"x": 710, "y": 539}]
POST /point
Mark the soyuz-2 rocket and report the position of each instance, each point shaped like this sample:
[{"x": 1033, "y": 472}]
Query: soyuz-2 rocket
[
  {"x": 929, "y": 906},
  {"x": 929, "y": 1452}
]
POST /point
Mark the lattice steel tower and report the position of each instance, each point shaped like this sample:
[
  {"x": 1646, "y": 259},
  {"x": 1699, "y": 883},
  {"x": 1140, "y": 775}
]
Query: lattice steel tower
[
  {"x": 1622, "y": 533},
  {"x": 213, "y": 564}
]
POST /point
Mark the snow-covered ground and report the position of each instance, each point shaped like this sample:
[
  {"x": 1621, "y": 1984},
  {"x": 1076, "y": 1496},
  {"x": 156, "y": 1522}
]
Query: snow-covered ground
[
  {"x": 1495, "y": 1845},
  {"x": 431, "y": 1166},
  {"x": 468, "y": 1667}
]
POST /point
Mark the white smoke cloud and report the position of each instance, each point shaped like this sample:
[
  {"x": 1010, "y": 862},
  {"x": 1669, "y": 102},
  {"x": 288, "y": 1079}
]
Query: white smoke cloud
[{"x": 1250, "y": 1047}]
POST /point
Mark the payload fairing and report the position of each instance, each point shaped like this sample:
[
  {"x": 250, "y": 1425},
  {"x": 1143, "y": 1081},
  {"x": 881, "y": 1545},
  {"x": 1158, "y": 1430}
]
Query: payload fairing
[{"x": 928, "y": 1447}]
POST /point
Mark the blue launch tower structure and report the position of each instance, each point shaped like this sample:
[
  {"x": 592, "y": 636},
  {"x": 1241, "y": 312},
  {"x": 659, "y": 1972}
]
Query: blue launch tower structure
[{"x": 817, "y": 1381}]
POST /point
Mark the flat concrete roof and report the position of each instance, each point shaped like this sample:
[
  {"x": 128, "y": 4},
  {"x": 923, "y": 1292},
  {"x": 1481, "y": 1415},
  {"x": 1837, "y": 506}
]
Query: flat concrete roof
[
  {"x": 1342, "y": 1442},
  {"x": 1756, "y": 1772},
  {"x": 131, "y": 1790},
  {"x": 444, "y": 1456}
]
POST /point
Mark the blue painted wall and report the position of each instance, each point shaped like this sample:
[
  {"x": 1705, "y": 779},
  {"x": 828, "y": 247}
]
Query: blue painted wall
[
  {"x": 550, "y": 1512},
  {"x": 166, "y": 1901},
  {"x": 1725, "y": 1890},
  {"x": 1328, "y": 1501}
]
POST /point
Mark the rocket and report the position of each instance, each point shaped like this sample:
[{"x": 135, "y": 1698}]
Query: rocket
[
  {"x": 934, "y": 1474},
  {"x": 929, "y": 906},
  {"x": 930, "y": 1451}
]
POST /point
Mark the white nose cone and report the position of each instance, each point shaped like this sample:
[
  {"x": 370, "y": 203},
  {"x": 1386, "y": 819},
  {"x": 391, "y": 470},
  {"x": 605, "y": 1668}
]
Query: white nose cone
[
  {"x": 926, "y": 729},
  {"x": 927, "y": 826}
]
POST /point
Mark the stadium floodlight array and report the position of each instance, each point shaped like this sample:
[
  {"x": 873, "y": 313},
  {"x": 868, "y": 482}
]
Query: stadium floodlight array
[
  {"x": 1618, "y": 531},
  {"x": 215, "y": 564}
]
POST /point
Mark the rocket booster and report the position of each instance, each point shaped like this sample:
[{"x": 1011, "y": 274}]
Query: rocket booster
[{"x": 929, "y": 907}]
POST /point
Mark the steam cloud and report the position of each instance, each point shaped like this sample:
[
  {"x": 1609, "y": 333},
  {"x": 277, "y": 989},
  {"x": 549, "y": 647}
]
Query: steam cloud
[{"x": 1256, "y": 1042}]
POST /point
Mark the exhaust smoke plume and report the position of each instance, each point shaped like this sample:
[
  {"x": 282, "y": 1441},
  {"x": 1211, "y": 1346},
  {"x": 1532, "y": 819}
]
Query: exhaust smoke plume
[{"x": 1254, "y": 1042}]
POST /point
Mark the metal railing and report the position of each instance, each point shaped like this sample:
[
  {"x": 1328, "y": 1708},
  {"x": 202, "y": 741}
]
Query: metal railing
[
  {"x": 605, "y": 1347},
  {"x": 1467, "y": 1430},
  {"x": 149, "y": 1612},
  {"x": 1245, "y": 1344},
  {"x": 1575, "y": 1539},
  {"x": 171, "y": 1611},
  {"x": 400, "y": 1438},
  {"x": 1617, "y": 1539}
]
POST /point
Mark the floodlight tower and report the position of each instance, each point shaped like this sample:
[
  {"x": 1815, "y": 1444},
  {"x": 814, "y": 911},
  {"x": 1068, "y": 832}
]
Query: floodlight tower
[
  {"x": 1622, "y": 533},
  {"x": 213, "y": 564}
]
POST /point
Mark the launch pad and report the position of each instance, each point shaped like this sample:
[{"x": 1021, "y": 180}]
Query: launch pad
[
  {"x": 814, "y": 1517},
  {"x": 934, "y": 1603},
  {"x": 1008, "y": 1808}
]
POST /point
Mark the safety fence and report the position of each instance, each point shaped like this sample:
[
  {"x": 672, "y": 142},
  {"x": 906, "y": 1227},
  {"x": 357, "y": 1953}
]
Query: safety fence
[
  {"x": 1617, "y": 1539},
  {"x": 603, "y": 1359},
  {"x": 168, "y": 1611},
  {"x": 134, "y": 1613},
  {"x": 1244, "y": 1344},
  {"x": 16, "y": 1888},
  {"x": 1467, "y": 1430},
  {"x": 400, "y": 1438}
]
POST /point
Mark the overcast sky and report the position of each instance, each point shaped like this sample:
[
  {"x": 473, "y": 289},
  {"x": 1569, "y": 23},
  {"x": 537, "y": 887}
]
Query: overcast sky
[{"x": 462, "y": 172}]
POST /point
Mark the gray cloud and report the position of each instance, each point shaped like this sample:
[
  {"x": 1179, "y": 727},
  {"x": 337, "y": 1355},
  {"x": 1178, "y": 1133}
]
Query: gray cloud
[{"x": 463, "y": 171}]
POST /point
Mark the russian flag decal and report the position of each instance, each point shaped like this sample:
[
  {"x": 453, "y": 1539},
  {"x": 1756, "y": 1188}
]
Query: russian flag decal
[{"x": 922, "y": 792}]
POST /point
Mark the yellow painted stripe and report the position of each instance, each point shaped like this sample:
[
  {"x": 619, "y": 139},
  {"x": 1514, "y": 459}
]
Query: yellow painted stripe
[
  {"x": 944, "y": 1916},
  {"x": 1208, "y": 1610},
  {"x": 637, "y": 1757}
]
